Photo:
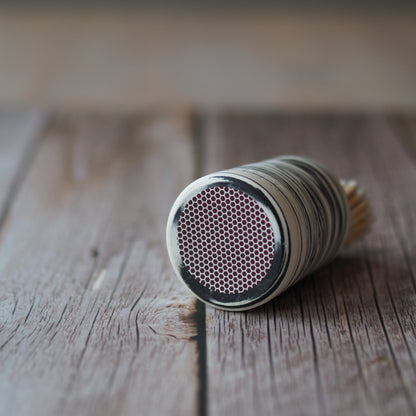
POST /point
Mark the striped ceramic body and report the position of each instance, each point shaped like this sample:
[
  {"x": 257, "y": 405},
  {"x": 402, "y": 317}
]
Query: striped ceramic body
[{"x": 239, "y": 237}]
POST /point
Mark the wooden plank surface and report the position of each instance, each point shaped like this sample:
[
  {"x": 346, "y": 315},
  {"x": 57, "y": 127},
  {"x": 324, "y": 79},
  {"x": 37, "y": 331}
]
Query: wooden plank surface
[
  {"x": 112, "y": 59},
  {"x": 344, "y": 340},
  {"x": 91, "y": 320},
  {"x": 19, "y": 131}
]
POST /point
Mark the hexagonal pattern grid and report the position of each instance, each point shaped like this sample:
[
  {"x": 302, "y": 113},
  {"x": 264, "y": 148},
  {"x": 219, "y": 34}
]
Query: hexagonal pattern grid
[{"x": 225, "y": 240}]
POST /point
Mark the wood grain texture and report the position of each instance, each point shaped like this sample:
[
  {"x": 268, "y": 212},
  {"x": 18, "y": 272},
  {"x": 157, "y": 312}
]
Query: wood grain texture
[
  {"x": 91, "y": 320},
  {"x": 342, "y": 341}
]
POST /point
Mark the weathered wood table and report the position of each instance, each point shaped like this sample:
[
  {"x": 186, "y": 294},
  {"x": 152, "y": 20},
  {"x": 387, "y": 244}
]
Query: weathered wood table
[{"x": 94, "y": 322}]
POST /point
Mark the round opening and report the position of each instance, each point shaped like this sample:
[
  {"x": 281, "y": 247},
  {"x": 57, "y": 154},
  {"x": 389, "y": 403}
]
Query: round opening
[{"x": 225, "y": 240}]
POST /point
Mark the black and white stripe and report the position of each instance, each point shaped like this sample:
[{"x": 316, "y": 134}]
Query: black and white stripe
[
  {"x": 317, "y": 217},
  {"x": 306, "y": 203}
]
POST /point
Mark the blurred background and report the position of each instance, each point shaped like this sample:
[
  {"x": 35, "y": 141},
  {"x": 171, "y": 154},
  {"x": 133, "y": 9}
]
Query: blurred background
[{"x": 134, "y": 56}]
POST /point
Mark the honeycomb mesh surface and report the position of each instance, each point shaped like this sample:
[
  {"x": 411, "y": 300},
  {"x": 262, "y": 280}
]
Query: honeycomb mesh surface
[{"x": 225, "y": 240}]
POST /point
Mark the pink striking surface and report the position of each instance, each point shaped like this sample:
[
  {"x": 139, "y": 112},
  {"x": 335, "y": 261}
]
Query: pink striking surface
[{"x": 225, "y": 240}]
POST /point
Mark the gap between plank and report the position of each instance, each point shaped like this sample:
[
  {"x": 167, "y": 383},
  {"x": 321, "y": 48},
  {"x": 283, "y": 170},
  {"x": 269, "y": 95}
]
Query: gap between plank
[{"x": 200, "y": 307}]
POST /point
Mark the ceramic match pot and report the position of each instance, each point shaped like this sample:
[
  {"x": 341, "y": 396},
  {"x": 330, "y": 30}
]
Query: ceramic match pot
[{"x": 239, "y": 237}]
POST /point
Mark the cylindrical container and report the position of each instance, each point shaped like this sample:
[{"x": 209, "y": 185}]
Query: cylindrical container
[{"x": 239, "y": 237}]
